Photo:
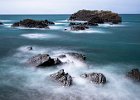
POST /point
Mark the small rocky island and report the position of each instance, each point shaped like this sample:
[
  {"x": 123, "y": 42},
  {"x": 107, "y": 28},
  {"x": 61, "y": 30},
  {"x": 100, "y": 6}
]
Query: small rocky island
[
  {"x": 30, "y": 23},
  {"x": 95, "y": 17}
]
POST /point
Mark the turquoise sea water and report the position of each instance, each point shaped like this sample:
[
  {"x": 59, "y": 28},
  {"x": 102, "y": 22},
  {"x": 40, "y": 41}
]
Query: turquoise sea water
[{"x": 110, "y": 49}]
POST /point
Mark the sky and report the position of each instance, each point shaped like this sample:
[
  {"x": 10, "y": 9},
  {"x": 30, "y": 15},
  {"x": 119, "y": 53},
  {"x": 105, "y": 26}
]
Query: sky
[{"x": 67, "y": 6}]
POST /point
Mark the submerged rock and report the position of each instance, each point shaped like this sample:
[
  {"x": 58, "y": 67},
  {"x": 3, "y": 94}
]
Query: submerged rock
[
  {"x": 29, "y": 48},
  {"x": 64, "y": 78},
  {"x": 43, "y": 60},
  {"x": 95, "y": 17},
  {"x": 1, "y": 23},
  {"x": 77, "y": 56},
  {"x": 97, "y": 78},
  {"x": 134, "y": 74},
  {"x": 30, "y": 23}
]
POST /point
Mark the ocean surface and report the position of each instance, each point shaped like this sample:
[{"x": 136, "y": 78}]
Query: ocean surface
[{"x": 110, "y": 49}]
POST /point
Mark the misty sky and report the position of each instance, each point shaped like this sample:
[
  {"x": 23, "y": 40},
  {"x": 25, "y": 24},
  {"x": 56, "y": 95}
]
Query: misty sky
[{"x": 67, "y": 6}]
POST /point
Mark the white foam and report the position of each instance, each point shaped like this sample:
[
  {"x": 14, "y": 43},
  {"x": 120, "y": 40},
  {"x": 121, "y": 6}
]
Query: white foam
[
  {"x": 62, "y": 21},
  {"x": 6, "y": 20},
  {"x": 87, "y": 31},
  {"x": 7, "y": 25},
  {"x": 56, "y": 27},
  {"x": 38, "y": 36},
  {"x": 59, "y": 23},
  {"x": 109, "y": 25}
]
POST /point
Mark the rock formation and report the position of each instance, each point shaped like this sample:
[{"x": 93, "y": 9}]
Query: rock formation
[
  {"x": 95, "y": 17},
  {"x": 29, "y": 23},
  {"x": 64, "y": 78},
  {"x": 97, "y": 78}
]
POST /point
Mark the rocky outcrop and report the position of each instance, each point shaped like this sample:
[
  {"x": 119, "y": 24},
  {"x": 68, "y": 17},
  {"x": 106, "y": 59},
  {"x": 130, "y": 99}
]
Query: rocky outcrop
[
  {"x": 95, "y": 17},
  {"x": 97, "y": 78},
  {"x": 1, "y": 23},
  {"x": 134, "y": 74},
  {"x": 77, "y": 56},
  {"x": 29, "y": 23},
  {"x": 64, "y": 78},
  {"x": 43, "y": 60}
]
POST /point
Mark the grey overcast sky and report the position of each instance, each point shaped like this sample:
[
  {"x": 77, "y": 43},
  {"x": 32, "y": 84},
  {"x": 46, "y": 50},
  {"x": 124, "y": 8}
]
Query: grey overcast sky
[{"x": 67, "y": 6}]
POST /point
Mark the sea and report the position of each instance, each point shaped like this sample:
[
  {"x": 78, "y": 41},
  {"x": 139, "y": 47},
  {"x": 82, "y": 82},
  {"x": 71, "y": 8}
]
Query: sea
[{"x": 112, "y": 50}]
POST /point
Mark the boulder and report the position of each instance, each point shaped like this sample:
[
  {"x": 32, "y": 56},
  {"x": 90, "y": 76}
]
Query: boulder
[
  {"x": 77, "y": 56},
  {"x": 43, "y": 60},
  {"x": 64, "y": 78},
  {"x": 1, "y": 23},
  {"x": 29, "y": 23},
  {"x": 97, "y": 78},
  {"x": 95, "y": 17},
  {"x": 134, "y": 74}
]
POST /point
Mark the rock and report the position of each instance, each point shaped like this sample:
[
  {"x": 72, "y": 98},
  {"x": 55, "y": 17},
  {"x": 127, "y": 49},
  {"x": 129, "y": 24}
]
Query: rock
[
  {"x": 64, "y": 78},
  {"x": 97, "y": 78},
  {"x": 29, "y": 48},
  {"x": 79, "y": 27},
  {"x": 95, "y": 17},
  {"x": 43, "y": 60},
  {"x": 1, "y": 23},
  {"x": 29, "y": 23},
  {"x": 134, "y": 74},
  {"x": 75, "y": 55}
]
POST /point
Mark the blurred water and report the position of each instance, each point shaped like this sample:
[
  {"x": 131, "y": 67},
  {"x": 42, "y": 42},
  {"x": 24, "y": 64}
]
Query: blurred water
[{"x": 111, "y": 50}]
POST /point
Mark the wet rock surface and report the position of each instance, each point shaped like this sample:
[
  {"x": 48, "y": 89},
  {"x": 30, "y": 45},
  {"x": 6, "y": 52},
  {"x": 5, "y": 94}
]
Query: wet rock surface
[
  {"x": 134, "y": 74},
  {"x": 30, "y": 23},
  {"x": 63, "y": 78},
  {"x": 97, "y": 78},
  {"x": 43, "y": 60},
  {"x": 95, "y": 17}
]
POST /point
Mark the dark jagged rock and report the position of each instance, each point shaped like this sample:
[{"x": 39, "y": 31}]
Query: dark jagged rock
[
  {"x": 64, "y": 78},
  {"x": 29, "y": 23},
  {"x": 94, "y": 17},
  {"x": 1, "y": 23},
  {"x": 79, "y": 27},
  {"x": 75, "y": 55},
  {"x": 43, "y": 60},
  {"x": 97, "y": 78},
  {"x": 134, "y": 74}
]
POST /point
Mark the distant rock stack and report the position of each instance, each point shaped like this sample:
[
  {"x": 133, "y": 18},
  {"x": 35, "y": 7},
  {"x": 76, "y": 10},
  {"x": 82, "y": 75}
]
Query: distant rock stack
[{"x": 96, "y": 17}]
